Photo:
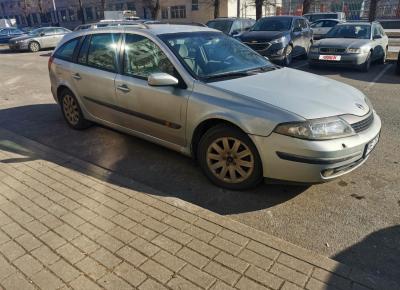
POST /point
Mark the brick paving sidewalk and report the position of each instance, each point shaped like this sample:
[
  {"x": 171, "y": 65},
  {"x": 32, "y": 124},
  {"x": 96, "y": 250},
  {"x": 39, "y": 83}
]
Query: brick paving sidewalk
[{"x": 65, "y": 223}]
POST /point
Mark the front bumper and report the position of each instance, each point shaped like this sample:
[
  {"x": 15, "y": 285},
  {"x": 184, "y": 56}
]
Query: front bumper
[
  {"x": 18, "y": 46},
  {"x": 273, "y": 51},
  {"x": 305, "y": 161},
  {"x": 350, "y": 59}
]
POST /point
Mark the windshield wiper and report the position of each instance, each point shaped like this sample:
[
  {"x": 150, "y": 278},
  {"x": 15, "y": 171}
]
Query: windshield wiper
[{"x": 228, "y": 75}]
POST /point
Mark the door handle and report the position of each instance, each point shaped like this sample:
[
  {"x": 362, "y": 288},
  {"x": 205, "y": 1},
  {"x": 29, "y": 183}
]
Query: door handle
[
  {"x": 124, "y": 88},
  {"x": 76, "y": 76}
]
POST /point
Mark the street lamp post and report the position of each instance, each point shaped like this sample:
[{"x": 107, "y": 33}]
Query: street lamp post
[{"x": 55, "y": 12}]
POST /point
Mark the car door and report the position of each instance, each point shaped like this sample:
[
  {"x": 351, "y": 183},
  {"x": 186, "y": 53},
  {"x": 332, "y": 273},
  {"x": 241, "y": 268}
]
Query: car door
[
  {"x": 57, "y": 36},
  {"x": 45, "y": 37},
  {"x": 297, "y": 37},
  {"x": 155, "y": 111},
  {"x": 93, "y": 75}
]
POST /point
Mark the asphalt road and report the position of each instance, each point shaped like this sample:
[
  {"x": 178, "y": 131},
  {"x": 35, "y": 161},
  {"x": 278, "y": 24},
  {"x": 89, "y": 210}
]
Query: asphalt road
[{"x": 355, "y": 219}]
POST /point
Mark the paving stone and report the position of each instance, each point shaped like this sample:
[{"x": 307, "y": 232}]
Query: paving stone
[
  {"x": 176, "y": 222},
  {"x": 192, "y": 257},
  {"x": 3, "y": 238},
  {"x": 67, "y": 232},
  {"x": 170, "y": 261},
  {"x": 47, "y": 280},
  {"x": 150, "y": 284},
  {"x": 109, "y": 242},
  {"x": 52, "y": 240},
  {"x": 72, "y": 219},
  {"x": 85, "y": 213},
  {"x": 14, "y": 230},
  {"x": 106, "y": 258},
  {"x": 203, "y": 248},
  {"x": 294, "y": 263},
  {"x": 113, "y": 282},
  {"x": 221, "y": 272},
  {"x": 91, "y": 268},
  {"x": 332, "y": 279},
  {"x": 232, "y": 262},
  {"x": 134, "y": 215},
  {"x": 208, "y": 226},
  {"x": 246, "y": 284},
  {"x": 102, "y": 223},
  {"x": 184, "y": 215},
  {"x": 289, "y": 274},
  {"x": 263, "y": 250},
  {"x": 197, "y": 276},
  {"x": 6, "y": 269},
  {"x": 83, "y": 283},
  {"x": 122, "y": 234},
  {"x": 314, "y": 284},
  {"x": 264, "y": 277},
  {"x": 256, "y": 259},
  {"x": 70, "y": 253},
  {"x": 177, "y": 236},
  {"x": 157, "y": 271},
  {"x": 226, "y": 245},
  {"x": 28, "y": 265},
  {"x": 85, "y": 244},
  {"x": 167, "y": 244},
  {"x": 131, "y": 255},
  {"x": 11, "y": 250},
  {"x": 144, "y": 247},
  {"x": 123, "y": 221},
  {"x": 51, "y": 221},
  {"x": 64, "y": 270},
  {"x": 45, "y": 255},
  {"x": 199, "y": 233},
  {"x": 219, "y": 285},
  {"x": 28, "y": 242},
  {"x": 233, "y": 237},
  {"x": 179, "y": 283},
  {"x": 290, "y": 286},
  {"x": 143, "y": 232},
  {"x": 90, "y": 230},
  {"x": 155, "y": 225},
  {"x": 17, "y": 282},
  {"x": 130, "y": 274}
]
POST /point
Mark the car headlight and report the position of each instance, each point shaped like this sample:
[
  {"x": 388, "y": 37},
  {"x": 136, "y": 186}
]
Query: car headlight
[
  {"x": 314, "y": 49},
  {"x": 278, "y": 40},
  {"x": 317, "y": 129},
  {"x": 354, "y": 50}
]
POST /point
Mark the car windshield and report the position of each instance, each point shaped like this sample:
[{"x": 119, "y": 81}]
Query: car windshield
[
  {"x": 350, "y": 31},
  {"x": 209, "y": 55},
  {"x": 221, "y": 25},
  {"x": 273, "y": 24}
]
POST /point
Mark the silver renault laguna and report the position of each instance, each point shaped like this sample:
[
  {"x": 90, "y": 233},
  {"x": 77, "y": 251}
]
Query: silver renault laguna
[{"x": 206, "y": 95}]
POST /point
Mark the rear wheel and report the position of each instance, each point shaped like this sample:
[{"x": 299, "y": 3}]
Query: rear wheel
[
  {"x": 229, "y": 158},
  {"x": 34, "y": 46},
  {"x": 72, "y": 112}
]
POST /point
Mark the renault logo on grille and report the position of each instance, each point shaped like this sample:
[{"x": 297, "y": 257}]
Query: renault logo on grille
[{"x": 361, "y": 107}]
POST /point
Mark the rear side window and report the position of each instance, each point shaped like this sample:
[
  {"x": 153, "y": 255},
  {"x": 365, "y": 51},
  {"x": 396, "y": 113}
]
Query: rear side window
[
  {"x": 103, "y": 51},
  {"x": 82, "y": 56},
  {"x": 66, "y": 51}
]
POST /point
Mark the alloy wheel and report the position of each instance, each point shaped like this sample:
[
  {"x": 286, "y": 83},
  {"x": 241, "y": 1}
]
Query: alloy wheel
[
  {"x": 230, "y": 160},
  {"x": 34, "y": 47},
  {"x": 71, "y": 110}
]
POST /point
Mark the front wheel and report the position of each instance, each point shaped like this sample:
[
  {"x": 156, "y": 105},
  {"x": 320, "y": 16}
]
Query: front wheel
[
  {"x": 287, "y": 55},
  {"x": 367, "y": 64},
  {"x": 229, "y": 158},
  {"x": 34, "y": 46}
]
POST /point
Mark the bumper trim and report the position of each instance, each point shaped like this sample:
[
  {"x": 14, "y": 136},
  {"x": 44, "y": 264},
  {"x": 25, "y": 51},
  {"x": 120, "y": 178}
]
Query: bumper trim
[{"x": 313, "y": 160}]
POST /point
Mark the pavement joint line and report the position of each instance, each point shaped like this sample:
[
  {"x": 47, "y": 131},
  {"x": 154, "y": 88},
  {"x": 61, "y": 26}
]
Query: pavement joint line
[
  {"x": 224, "y": 222},
  {"x": 378, "y": 77}
]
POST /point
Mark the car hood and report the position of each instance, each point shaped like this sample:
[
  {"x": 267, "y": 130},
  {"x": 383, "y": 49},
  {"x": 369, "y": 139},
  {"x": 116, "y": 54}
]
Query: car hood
[
  {"x": 22, "y": 37},
  {"x": 342, "y": 42},
  {"x": 261, "y": 36},
  {"x": 307, "y": 95}
]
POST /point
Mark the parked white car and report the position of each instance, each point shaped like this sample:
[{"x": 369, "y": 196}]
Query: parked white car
[{"x": 321, "y": 27}]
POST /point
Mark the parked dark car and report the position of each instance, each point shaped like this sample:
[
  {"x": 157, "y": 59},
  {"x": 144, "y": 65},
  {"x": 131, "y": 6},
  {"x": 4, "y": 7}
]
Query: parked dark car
[
  {"x": 398, "y": 65},
  {"x": 7, "y": 33},
  {"x": 280, "y": 38},
  {"x": 231, "y": 26}
]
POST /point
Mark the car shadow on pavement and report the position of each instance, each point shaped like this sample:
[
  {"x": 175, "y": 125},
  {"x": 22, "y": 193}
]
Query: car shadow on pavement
[
  {"x": 377, "y": 253},
  {"x": 168, "y": 172}
]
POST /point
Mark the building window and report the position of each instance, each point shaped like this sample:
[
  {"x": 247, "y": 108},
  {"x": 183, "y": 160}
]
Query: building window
[
  {"x": 119, "y": 6},
  {"x": 131, "y": 6},
  {"x": 178, "y": 12},
  {"x": 164, "y": 13},
  {"x": 89, "y": 13},
  {"x": 195, "y": 5}
]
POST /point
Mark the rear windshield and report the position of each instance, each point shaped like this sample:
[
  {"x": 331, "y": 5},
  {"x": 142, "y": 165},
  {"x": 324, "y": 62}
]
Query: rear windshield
[{"x": 221, "y": 25}]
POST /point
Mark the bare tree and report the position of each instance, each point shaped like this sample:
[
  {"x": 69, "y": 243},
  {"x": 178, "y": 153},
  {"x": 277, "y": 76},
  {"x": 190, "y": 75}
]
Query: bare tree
[
  {"x": 102, "y": 7},
  {"x": 372, "y": 9},
  {"x": 26, "y": 6},
  {"x": 81, "y": 15},
  {"x": 306, "y": 6}
]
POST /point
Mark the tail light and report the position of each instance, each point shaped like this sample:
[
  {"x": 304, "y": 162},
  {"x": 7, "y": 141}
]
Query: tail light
[{"x": 51, "y": 58}]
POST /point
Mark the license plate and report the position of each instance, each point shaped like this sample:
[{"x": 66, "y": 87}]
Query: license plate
[
  {"x": 371, "y": 145},
  {"x": 330, "y": 57}
]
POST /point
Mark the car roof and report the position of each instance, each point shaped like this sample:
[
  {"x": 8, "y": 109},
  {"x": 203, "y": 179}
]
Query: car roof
[
  {"x": 330, "y": 19},
  {"x": 229, "y": 18},
  {"x": 356, "y": 23},
  {"x": 283, "y": 16}
]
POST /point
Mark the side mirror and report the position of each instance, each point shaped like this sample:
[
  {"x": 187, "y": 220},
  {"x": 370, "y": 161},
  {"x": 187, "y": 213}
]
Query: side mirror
[
  {"x": 162, "y": 79},
  {"x": 234, "y": 33},
  {"x": 377, "y": 36},
  {"x": 42, "y": 34}
]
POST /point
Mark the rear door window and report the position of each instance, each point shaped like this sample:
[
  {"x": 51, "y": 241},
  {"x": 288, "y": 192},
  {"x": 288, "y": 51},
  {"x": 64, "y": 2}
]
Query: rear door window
[
  {"x": 103, "y": 51},
  {"x": 66, "y": 51}
]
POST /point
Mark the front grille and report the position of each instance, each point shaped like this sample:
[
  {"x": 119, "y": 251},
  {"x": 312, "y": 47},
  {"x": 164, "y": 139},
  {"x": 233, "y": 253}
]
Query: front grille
[
  {"x": 259, "y": 45},
  {"x": 363, "y": 124},
  {"x": 332, "y": 50}
]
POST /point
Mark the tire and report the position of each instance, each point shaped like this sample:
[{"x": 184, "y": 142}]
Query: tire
[
  {"x": 288, "y": 52},
  {"x": 305, "y": 56},
  {"x": 34, "y": 46},
  {"x": 367, "y": 64},
  {"x": 218, "y": 152},
  {"x": 383, "y": 59},
  {"x": 72, "y": 112}
]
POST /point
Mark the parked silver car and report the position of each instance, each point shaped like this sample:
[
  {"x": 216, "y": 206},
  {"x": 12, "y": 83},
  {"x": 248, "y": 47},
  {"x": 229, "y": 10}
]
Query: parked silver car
[
  {"x": 204, "y": 94},
  {"x": 35, "y": 40},
  {"x": 351, "y": 44}
]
